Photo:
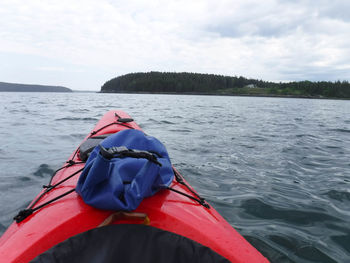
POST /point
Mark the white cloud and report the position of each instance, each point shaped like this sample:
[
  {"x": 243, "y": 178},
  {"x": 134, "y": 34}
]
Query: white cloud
[{"x": 272, "y": 40}]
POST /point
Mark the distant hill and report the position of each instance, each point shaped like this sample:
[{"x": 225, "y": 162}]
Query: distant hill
[
  {"x": 31, "y": 88},
  {"x": 195, "y": 83}
]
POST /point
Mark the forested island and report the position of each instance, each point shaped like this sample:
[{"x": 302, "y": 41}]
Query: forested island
[
  {"x": 210, "y": 84},
  {"x": 14, "y": 87}
]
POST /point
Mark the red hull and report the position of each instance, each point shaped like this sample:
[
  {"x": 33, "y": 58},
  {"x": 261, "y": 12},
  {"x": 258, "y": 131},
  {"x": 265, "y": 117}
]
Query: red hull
[{"x": 166, "y": 210}]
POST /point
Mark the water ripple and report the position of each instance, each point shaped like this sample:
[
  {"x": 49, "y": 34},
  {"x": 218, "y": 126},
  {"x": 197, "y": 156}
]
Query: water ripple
[
  {"x": 260, "y": 209},
  {"x": 77, "y": 119},
  {"x": 341, "y": 196}
]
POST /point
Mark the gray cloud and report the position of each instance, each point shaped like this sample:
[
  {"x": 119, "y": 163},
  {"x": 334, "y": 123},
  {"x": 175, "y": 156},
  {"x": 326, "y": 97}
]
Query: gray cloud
[
  {"x": 279, "y": 18},
  {"x": 256, "y": 27},
  {"x": 337, "y": 9},
  {"x": 256, "y": 19}
]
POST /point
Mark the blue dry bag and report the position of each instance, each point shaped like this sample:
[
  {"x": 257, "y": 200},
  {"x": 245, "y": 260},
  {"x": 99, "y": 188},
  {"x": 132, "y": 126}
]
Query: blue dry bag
[{"x": 124, "y": 169}]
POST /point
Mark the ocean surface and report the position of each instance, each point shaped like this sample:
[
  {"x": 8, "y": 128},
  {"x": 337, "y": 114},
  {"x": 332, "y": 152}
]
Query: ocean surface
[{"x": 277, "y": 169}]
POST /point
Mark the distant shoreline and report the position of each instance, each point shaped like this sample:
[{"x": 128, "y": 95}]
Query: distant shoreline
[
  {"x": 15, "y": 87},
  {"x": 231, "y": 95},
  {"x": 210, "y": 84}
]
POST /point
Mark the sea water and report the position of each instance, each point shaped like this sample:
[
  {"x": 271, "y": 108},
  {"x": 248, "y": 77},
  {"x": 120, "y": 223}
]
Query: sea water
[{"x": 277, "y": 169}]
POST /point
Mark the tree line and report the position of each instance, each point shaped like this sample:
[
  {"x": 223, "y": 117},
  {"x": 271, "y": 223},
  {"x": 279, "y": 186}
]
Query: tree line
[{"x": 196, "y": 83}]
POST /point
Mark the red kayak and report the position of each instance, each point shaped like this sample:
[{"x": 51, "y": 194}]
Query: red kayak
[{"x": 161, "y": 222}]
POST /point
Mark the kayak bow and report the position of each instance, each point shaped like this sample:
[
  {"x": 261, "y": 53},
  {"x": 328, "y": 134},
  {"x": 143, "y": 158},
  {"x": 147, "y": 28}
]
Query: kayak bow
[{"x": 167, "y": 211}]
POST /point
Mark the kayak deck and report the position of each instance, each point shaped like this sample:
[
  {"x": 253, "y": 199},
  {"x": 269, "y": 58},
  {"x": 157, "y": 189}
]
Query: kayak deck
[{"x": 166, "y": 210}]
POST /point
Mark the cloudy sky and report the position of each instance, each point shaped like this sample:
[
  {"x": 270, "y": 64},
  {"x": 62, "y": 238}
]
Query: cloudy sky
[{"x": 82, "y": 44}]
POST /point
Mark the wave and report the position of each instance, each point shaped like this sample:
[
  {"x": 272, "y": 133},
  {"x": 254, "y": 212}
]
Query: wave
[
  {"x": 341, "y": 196},
  {"x": 341, "y": 130},
  {"x": 260, "y": 209},
  {"x": 77, "y": 119}
]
